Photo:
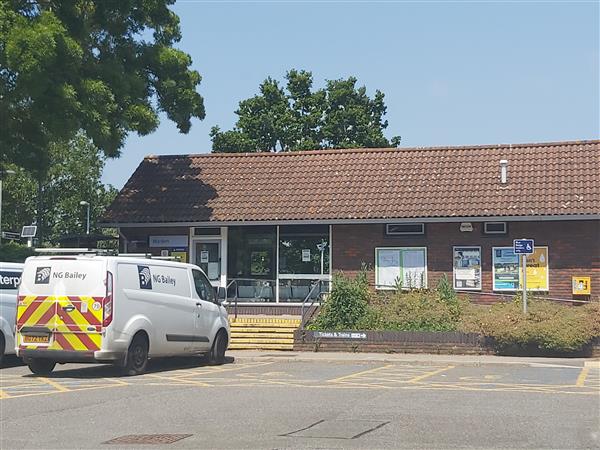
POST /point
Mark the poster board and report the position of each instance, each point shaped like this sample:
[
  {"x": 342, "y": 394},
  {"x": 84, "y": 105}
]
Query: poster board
[
  {"x": 537, "y": 270},
  {"x": 507, "y": 271},
  {"x": 467, "y": 268}
]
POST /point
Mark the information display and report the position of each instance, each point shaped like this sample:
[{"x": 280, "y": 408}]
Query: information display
[
  {"x": 505, "y": 269},
  {"x": 537, "y": 270},
  {"x": 467, "y": 268}
]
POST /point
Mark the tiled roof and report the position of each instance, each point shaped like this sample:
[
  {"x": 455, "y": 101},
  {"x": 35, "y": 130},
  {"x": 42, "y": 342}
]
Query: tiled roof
[{"x": 546, "y": 179}]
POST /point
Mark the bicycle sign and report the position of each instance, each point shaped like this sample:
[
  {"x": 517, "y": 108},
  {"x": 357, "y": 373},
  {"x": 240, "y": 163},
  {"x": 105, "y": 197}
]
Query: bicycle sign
[{"x": 523, "y": 246}]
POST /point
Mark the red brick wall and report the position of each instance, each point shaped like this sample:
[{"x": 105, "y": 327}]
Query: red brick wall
[{"x": 573, "y": 249}]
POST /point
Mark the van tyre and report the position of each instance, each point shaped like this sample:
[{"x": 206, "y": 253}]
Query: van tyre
[
  {"x": 137, "y": 356},
  {"x": 217, "y": 352},
  {"x": 41, "y": 366}
]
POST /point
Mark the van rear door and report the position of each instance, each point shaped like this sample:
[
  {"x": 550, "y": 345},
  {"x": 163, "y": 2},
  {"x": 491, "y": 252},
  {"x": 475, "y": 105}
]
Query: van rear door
[{"x": 60, "y": 304}]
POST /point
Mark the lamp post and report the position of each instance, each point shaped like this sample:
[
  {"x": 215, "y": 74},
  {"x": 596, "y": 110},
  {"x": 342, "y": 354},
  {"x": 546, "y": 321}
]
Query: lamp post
[
  {"x": 2, "y": 172},
  {"x": 84, "y": 203}
]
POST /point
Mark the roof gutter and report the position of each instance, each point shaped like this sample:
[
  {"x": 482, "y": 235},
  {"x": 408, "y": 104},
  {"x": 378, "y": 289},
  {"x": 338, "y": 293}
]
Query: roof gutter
[{"x": 355, "y": 221}]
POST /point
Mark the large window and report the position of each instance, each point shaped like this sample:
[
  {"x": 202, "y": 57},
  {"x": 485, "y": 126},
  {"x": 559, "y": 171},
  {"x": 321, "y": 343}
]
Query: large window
[
  {"x": 304, "y": 250},
  {"x": 251, "y": 252},
  {"x": 400, "y": 267}
]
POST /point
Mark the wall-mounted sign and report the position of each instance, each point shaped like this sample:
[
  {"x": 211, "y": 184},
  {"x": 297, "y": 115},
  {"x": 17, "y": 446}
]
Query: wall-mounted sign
[
  {"x": 168, "y": 241},
  {"x": 582, "y": 285},
  {"x": 467, "y": 268},
  {"x": 537, "y": 270},
  {"x": 507, "y": 273},
  {"x": 306, "y": 255}
]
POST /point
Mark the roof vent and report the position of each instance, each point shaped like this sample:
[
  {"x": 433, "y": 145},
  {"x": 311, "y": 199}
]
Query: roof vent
[{"x": 503, "y": 171}]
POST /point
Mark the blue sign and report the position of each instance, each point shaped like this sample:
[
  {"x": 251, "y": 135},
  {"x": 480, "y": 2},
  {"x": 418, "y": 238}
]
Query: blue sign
[{"x": 523, "y": 246}]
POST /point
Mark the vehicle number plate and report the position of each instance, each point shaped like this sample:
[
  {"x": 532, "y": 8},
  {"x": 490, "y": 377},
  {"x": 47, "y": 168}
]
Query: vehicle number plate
[{"x": 36, "y": 339}]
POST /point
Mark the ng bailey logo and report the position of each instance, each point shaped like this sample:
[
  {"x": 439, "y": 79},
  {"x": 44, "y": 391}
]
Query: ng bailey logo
[
  {"x": 42, "y": 275},
  {"x": 145, "y": 277}
]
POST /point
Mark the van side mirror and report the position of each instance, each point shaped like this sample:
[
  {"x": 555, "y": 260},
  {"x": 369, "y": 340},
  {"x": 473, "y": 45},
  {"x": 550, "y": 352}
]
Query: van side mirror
[{"x": 221, "y": 294}]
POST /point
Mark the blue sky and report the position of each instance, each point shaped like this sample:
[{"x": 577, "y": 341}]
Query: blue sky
[{"x": 453, "y": 73}]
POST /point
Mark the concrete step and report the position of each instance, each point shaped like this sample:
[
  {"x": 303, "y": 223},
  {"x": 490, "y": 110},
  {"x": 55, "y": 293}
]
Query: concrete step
[
  {"x": 264, "y": 324},
  {"x": 262, "y": 341},
  {"x": 266, "y": 334},
  {"x": 233, "y": 346},
  {"x": 259, "y": 330}
]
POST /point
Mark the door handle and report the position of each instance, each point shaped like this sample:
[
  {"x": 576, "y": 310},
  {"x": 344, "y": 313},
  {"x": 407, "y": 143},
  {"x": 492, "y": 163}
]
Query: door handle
[{"x": 199, "y": 304}]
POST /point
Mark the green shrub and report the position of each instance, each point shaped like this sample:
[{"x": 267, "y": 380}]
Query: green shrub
[
  {"x": 346, "y": 305},
  {"x": 12, "y": 252},
  {"x": 548, "y": 325},
  {"x": 417, "y": 311}
]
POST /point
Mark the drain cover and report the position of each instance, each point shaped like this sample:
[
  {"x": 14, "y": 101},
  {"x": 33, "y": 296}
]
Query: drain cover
[
  {"x": 148, "y": 439},
  {"x": 337, "y": 429}
]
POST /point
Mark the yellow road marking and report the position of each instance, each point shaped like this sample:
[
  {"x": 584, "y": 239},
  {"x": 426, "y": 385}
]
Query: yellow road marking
[
  {"x": 55, "y": 384},
  {"x": 582, "y": 376},
  {"x": 429, "y": 374},
  {"x": 180, "y": 381},
  {"x": 358, "y": 374},
  {"x": 3, "y": 394}
]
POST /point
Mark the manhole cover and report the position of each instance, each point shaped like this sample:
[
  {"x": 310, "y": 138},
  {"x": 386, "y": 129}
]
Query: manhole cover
[
  {"x": 337, "y": 429},
  {"x": 148, "y": 439}
]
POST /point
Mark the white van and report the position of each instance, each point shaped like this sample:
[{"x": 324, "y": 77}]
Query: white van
[
  {"x": 121, "y": 310},
  {"x": 10, "y": 277}
]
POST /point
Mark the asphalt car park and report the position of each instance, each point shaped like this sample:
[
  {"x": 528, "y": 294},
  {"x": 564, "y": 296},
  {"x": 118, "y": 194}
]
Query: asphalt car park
[{"x": 274, "y": 402}]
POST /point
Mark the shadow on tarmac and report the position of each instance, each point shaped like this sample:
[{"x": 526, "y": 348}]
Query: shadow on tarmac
[
  {"x": 110, "y": 371},
  {"x": 11, "y": 361}
]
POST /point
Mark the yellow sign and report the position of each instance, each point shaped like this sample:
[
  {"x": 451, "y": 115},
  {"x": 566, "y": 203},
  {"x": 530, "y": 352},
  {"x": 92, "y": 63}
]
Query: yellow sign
[
  {"x": 582, "y": 286},
  {"x": 180, "y": 256},
  {"x": 537, "y": 270}
]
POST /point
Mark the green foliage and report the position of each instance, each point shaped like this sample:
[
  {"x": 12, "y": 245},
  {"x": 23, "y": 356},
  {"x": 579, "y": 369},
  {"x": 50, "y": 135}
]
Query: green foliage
[
  {"x": 104, "y": 67},
  {"x": 417, "y": 310},
  {"x": 346, "y": 305},
  {"x": 548, "y": 325},
  {"x": 12, "y": 252},
  {"x": 341, "y": 115},
  {"x": 74, "y": 175}
]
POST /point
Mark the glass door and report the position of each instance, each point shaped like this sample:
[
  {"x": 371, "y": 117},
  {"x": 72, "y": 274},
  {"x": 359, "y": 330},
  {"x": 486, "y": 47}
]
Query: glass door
[{"x": 208, "y": 258}]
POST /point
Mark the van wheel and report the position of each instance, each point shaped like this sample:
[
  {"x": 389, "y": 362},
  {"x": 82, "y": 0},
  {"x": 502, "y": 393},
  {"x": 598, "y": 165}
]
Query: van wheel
[
  {"x": 41, "y": 366},
  {"x": 217, "y": 352},
  {"x": 137, "y": 356}
]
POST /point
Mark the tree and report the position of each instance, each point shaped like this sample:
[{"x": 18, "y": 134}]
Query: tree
[
  {"x": 105, "y": 67},
  {"x": 340, "y": 116},
  {"x": 74, "y": 175}
]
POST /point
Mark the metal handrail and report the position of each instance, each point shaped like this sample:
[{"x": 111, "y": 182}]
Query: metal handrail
[
  {"x": 235, "y": 305},
  {"x": 304, "y": 311}
]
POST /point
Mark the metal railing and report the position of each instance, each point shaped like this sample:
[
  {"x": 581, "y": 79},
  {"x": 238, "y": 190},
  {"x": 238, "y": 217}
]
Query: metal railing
[{"x": 317, "y": 287}]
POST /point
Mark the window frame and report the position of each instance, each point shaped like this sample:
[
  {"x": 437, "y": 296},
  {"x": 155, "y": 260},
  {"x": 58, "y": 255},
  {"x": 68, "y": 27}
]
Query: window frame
[
  {"x": 401, "y": 249},
  {"x": 486, "y": 231},
  {"x": 404, "y": 233}
]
